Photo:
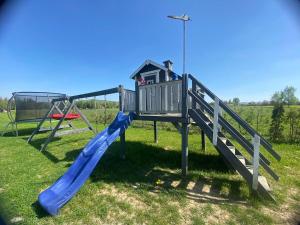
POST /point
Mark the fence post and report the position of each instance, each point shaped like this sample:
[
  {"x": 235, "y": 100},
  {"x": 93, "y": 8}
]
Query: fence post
[
  {"x": 256, "y": 145},
  {"x": 216, "y": 121}
]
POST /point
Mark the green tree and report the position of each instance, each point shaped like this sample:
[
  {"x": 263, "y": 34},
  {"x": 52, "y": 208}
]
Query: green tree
[
  {"x": 236, "y": 101},
  {"x": 276, "y": 129},
  {"x": 289, "y": 95},
  {"x": 292, "y": 117},
  {"x": 277, "y": 98}
]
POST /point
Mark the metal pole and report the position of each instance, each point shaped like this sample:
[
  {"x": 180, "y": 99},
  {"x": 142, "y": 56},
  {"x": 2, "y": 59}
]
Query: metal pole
[{"x": 183, "y": 47}]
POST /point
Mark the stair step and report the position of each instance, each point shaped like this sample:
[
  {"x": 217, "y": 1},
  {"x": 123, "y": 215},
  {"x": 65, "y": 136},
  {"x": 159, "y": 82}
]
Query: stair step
[
  {"x": 249, "y": 167},
  {"x": 208, "y": 122},
  {"x": 242, "y": 159},
  {"x": 263, "y": 181},
  {"x": 231, "y": 148},
  {"x": 223, "y": 139}
]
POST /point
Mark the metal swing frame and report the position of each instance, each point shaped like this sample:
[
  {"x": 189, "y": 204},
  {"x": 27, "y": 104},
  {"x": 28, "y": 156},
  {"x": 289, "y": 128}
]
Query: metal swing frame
[{"x": 35, "y": 108}]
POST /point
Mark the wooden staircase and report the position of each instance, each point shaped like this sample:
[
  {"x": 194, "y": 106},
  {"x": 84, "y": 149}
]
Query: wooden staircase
[{"x": 204, "y": 115}]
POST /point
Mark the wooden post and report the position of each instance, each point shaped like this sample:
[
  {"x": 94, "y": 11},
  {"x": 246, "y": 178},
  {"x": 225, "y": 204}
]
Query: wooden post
[
  {"x": 155, "y": 132},
  {"x": 194, "y": 88},
  {"x": 123, "y": 135},
  {"x": 185, "y": 129},
  {"x": 184, "y": 146},
  {"x": 256, "y": 144},
  {"x": 137, "y": 98},
  {"x": 216, "y": 121},
  {"x": 203, "y": 143}
]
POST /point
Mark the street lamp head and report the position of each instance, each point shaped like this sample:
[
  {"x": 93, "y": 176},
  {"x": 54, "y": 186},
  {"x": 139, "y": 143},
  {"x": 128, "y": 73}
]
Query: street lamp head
[{"x": 184, "y": 17}]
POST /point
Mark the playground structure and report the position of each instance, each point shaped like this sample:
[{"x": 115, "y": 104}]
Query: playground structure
[
  {"x": 183, "y": 102},
  {"x": 27, "y": 107}
]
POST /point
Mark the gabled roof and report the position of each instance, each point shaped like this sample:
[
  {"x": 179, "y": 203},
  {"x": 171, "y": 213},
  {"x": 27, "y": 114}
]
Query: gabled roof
[{"x": 147, "y": 62}]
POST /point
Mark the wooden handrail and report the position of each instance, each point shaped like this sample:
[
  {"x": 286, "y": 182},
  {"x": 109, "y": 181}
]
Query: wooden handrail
[{"x": 238, "y": 119}]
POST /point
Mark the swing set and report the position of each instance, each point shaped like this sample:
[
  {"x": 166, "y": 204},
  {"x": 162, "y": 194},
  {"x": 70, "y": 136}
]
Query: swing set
[{"x": 71, "y": 112}]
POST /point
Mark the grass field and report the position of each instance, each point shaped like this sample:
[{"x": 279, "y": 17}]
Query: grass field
[{"x": 146, "y": 187}]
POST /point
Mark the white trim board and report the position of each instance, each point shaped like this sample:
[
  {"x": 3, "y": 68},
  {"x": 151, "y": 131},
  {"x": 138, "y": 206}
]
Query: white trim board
[{"x": 151, "y": 73}]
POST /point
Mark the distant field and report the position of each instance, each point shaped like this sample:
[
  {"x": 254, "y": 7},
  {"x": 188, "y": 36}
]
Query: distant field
[{"x": 146, "y": 187}]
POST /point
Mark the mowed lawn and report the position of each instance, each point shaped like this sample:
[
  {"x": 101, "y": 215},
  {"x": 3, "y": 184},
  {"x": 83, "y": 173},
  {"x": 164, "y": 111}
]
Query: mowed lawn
[{"x": 146, "y": 187}]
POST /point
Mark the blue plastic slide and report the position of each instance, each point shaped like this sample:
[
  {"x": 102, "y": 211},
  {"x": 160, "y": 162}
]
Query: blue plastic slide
[{"x": 67, "y": 186}]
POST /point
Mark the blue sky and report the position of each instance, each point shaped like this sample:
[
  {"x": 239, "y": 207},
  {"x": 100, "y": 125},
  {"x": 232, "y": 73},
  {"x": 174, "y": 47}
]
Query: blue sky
[{"x": 248, "y": 49}]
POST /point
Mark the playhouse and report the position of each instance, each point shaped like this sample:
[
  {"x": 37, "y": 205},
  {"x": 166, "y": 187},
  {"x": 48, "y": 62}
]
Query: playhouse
[{"x": 162, "y": 95}]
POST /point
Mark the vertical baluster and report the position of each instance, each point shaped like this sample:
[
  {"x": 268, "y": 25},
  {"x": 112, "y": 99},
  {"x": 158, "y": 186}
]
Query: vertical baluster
[
  {"x": 216, "y": 121},
  {"x": 256, "y": 145}
]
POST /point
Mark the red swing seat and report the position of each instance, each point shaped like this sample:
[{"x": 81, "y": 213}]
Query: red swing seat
[{"x": 69, "y": 116}]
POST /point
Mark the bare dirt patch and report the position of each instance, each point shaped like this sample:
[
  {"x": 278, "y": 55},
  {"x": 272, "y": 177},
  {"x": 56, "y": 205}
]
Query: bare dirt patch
[
  {"x": 285, "y": 214},
  {"x": 123, "y": 196}
]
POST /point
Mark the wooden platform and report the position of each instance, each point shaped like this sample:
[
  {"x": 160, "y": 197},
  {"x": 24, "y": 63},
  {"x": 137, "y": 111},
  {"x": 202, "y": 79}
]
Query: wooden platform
[{"x": 166, "y": 117}]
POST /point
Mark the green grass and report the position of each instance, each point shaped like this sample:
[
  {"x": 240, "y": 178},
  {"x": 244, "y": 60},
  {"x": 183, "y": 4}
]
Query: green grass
[{"x": 146, "y": 187}]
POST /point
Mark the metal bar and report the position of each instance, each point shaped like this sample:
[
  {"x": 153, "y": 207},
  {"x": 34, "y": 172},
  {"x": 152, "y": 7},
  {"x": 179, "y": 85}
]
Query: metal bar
[
  {"x": 256, "y": 144},
  {"x": 216, "y": 121}
]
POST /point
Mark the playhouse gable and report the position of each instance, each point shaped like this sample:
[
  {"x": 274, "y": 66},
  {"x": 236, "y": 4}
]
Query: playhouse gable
[{"x": 153, "y": 72}]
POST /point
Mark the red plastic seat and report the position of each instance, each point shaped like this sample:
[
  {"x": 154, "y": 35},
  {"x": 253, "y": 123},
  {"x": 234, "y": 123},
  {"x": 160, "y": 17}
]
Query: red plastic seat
[{"x": 69, "y": 116}]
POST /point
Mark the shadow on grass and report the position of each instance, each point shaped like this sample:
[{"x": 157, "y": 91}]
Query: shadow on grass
[
  {"x": 21, "y": 132},
  {"x": 39, "y": 211},
  {"x": 37, "y": 143},
  {"x": 145, "y": 164}
]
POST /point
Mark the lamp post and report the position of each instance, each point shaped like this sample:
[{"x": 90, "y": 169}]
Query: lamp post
[{"x": 184, "y": 18}]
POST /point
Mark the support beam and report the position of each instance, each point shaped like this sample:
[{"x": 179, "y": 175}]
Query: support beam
[
  {"x": 184, "y": 149},
  {"x": 256, "y": 145},
  {"x": 185, "y": 128},
  {"x": 123, "y": 135},
  {"x": 203, "y": 143},
  {"x": 155, "y": 132},
  {"x": 137, "y": 98},
  {"x": 123, "y": 145},
  {"x": 216, "y": 121}
]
